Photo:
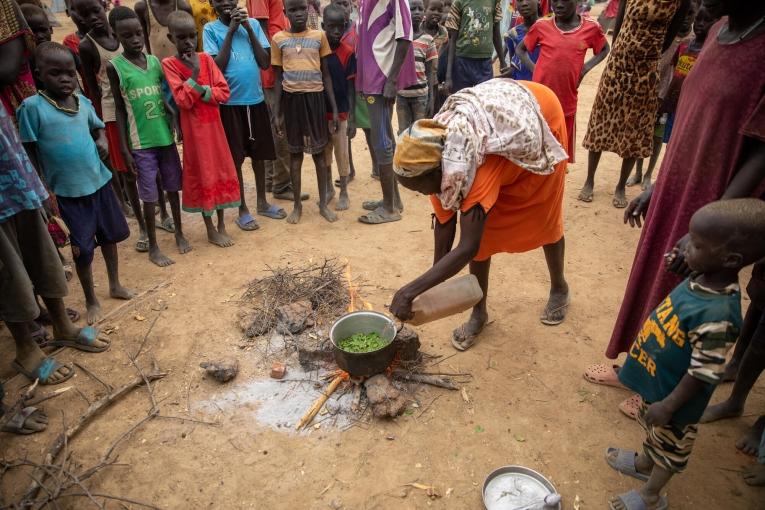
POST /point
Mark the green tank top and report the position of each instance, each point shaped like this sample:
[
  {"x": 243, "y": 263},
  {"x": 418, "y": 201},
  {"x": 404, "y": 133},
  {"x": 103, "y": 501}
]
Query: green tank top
[{"x": 141, "y": 89}]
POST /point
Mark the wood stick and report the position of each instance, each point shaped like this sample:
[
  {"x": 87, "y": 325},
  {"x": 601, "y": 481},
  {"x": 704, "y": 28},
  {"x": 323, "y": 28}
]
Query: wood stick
[
  {"x": 311, "y": 413},
  {"x": 134, "y": 301},
  {"x": 93, "y": 410},
  {"x": 432, "y": 379}
]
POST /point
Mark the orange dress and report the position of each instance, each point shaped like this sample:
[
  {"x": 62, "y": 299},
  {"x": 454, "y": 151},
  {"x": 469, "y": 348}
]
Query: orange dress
[{"x": 524, "y": 210}]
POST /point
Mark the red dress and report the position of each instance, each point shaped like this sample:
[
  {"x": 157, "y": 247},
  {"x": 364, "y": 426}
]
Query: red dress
[
  {"x": 721, "y": 104},
  {"x": 209, "y": 175}
]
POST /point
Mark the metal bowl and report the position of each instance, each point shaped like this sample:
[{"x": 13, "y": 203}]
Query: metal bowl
[
  {"x": 363, "y": 363},
  {"x": 511, "y": 487}
]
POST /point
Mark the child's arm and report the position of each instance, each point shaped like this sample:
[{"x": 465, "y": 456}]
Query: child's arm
[
  {"x": 218, "y": 86},
  {"x": 91, "y": 63},
  {"x": 223, "y": 54},
  {"x": 452, "y": 25},
  {"x": 121, "y": 112},
  {"x": 497, "y": 36},
  {"x": 595, "y": 60},
  {"x": 523, "y": 55},
  {"x": 102, "y": 144},
  {"x": 711, "y": 342},
  {"x": 430, "y": 72},
  {"x": 140, "y": 10},
  {"x": 351, "y": 107},
  {"x": 330, "y": 91},
  {"x": 186, "y": 92},
  {"x": 31, "y": 148},
  {"x": 660, "y": 413},
  {"x": 262, "y": 55},
  {"x": 278, "y": 88}
]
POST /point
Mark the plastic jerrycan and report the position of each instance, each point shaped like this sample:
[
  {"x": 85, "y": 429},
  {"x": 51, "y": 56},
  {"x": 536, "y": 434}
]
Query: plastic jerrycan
[{"x": 445, "y": 299}]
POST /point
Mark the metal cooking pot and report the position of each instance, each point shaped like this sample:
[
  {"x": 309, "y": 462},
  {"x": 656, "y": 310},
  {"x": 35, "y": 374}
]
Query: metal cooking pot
[{"x": 363, "y": 363}]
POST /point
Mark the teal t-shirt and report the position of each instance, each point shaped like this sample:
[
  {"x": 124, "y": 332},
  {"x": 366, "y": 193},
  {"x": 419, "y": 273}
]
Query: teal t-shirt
[
  {"x": 66, "y": 150},
  {"x": 690, "y": 332}
]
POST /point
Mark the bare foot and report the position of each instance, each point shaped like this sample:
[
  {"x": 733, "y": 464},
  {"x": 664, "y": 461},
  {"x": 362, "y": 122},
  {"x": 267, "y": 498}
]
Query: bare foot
[
  {"x": 465, "y": 336},
  {"x": 120, "y": 292},
  {"x": 93, "y": 312},
  {"x": 755, "y": 475},
  {"x": 634, "y": 180},
  {"x": 159, "y": 258},
  {"x": 182, "y": 243},
  {"x": 586, "y": 194},
  {"x": 219, "y": 239},
  {"x": 343, "y": 202},
  {"x": 620, "y": 199},
  {"x": 721, "y": 411},
  {"x": 555, "y": 310},
  {"x": 749, "y": 443},
  {"x": 327, "y": 214},
  {"x": 295, "y": 215},
  {"x": 645, "y": 183}
]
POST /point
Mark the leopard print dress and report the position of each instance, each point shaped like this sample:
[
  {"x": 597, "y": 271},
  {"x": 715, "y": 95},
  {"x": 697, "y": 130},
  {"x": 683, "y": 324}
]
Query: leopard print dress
[{"x": 624, "y": 113}]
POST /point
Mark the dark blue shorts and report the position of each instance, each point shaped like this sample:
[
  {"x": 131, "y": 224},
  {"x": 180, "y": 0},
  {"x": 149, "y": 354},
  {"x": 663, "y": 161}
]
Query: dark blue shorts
[
  {"x": 93, "y": 220},
  {"x": 469, "y": 72}
]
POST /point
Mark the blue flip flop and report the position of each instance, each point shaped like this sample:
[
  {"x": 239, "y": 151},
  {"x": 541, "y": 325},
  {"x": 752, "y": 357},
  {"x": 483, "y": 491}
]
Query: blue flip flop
[
  {"x": 84, "y": 342},
  {"x": 625, "y": 463},
  {"x": 274, "y": 212},
  {"x": 43, "y": 371},
  {"x": 247, "y": 222}
]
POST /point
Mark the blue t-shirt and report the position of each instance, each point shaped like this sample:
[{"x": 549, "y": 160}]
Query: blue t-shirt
[
  {"x": 20, "y": 187},
  {"x": 514, "y": 38},
  {"x": 66, "y": 151},
  {"x": 690, "y": 332},
  {"x": 242, "y": 72}
]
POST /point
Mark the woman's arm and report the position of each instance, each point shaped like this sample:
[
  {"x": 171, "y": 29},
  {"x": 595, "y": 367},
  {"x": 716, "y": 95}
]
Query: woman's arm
[
  {"x": 619, "y": 19},
  {"x": 751, "y": 172},
  {"x": 471, "y": 226}
]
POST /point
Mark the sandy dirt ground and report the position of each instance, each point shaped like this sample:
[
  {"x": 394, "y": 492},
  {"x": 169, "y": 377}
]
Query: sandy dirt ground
[{"x": 529, "y": 404}]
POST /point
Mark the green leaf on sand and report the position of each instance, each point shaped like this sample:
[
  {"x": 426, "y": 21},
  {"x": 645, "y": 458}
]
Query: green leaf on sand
[{"x": 478, "y": 429}]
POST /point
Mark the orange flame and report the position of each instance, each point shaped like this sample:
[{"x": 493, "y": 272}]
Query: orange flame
[{"x": 354, "y": 294}]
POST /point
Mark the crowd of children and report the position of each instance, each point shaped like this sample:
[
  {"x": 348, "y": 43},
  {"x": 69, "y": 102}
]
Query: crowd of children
[{"x": 114, "y": 100}]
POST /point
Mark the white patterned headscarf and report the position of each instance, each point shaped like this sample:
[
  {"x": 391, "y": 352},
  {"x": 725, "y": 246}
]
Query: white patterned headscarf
[{"x": 500, "y": 117}]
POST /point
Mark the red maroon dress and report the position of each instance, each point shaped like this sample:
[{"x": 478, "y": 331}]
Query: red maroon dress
[
  {"x": 209, "y": 175},
  {"x": 722, "y": 103}
]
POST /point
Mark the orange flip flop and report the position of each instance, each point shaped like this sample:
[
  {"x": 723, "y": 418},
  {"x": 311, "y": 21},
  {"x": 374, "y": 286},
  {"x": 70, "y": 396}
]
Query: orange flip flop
[
  {"x": 602, "y": 374},
  {"x": 631, "y": 406}
]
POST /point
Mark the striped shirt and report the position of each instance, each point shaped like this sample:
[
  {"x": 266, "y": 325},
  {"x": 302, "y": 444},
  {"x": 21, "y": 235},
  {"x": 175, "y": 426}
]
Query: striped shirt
[
  {"x": 424, "y": 51},
  {"x": 381, "y": 23},
  {"x": 299, "y": 54}
]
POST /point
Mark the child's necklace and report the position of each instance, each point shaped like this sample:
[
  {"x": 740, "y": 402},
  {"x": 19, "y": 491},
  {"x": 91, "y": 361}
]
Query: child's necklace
[{"x": 54, "y": 103}]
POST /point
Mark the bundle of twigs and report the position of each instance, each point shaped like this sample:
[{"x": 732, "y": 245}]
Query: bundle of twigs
[{"x": 323, "y": 284}]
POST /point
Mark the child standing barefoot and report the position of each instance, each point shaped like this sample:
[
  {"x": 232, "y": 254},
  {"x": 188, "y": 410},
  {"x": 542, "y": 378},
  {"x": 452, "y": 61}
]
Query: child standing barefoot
[
  {"x": 299, "y": 58},
  {"x": 678, "y": 357},
  {"x": 209, "y": 177},
  {"x": 65, "y": 138},
  {"x": 342, "y": 67},
  {"x": 96, "y": 49},
  {"x": 146, "y": 140}
]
